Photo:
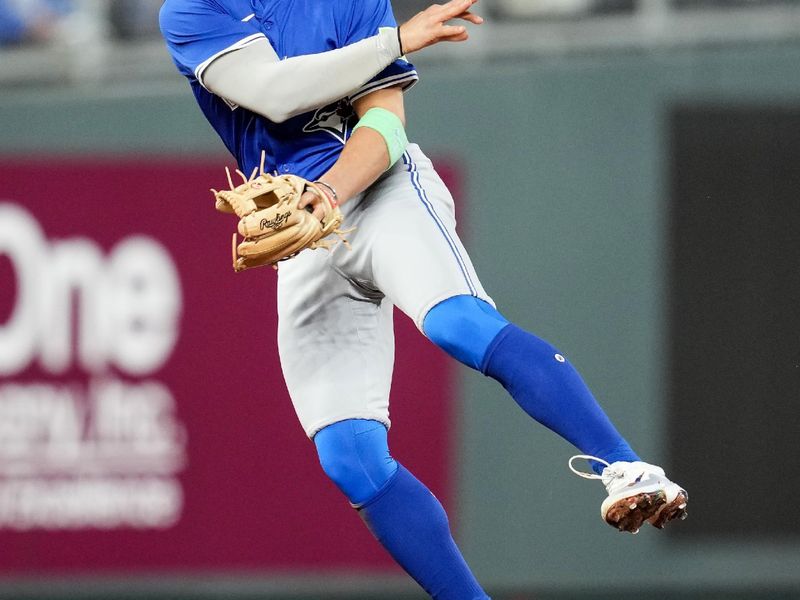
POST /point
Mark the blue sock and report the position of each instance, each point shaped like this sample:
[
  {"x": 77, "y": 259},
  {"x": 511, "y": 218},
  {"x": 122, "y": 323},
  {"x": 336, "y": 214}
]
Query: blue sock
[
  {"x": 536, "y": 375},
  {"x": 399, "y": 510},
  {"x": 408, "y": 520}
]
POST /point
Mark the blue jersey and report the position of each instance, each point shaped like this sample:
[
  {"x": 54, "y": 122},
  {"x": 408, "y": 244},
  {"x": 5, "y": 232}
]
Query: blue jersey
[{"x": 199, "y": 31}]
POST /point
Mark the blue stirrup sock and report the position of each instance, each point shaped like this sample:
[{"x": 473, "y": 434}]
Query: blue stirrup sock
[
  {"x": 539, "y": 378},
  {"x": 399, "y": 510},
  {"x": 550, "y": 390},
  {"x": 408, "y": 520}
]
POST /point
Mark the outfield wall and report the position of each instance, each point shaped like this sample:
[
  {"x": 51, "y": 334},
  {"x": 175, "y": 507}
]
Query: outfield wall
[{"x": 566, "y": 176}]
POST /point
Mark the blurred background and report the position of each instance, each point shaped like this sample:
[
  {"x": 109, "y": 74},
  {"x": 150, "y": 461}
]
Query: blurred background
[{"x": 627, "y": 176}]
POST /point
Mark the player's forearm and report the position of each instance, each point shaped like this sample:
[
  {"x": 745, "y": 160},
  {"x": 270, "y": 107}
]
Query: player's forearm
[
  {"x": 254, "y": 77},
  {"x": 366, "y": 156},
  {"x": 362, "y": 161}
]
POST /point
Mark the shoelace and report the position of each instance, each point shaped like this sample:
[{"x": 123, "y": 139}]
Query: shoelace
[{"x": 582, "y": 473}]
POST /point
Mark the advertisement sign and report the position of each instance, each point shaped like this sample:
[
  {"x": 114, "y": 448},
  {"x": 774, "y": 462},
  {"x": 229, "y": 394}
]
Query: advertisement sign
[{"x": 144, "y": 422}]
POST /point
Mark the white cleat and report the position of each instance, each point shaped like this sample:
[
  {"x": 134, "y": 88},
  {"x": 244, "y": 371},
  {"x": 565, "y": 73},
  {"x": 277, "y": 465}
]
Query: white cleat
[{"x": 637, "y": 492}]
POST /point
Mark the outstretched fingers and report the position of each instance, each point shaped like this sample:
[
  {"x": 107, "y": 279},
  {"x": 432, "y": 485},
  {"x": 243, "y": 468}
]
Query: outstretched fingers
[
  {"x": 450, "y": 31},
  {"x": 459, "y": 37},
  {"x": 431, "y": 25},
  {"x": 471, "y": 17},
  {"x": 454, "y": 8}
]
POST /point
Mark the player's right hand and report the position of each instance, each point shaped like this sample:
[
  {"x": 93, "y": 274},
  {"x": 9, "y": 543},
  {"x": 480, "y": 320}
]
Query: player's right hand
[{"x": 430, "y": 26}]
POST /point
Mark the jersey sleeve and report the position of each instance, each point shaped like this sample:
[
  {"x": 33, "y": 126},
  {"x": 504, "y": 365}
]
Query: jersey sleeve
[
  {"x": 368, "y": 17},
  {"x": 198, "y": 32}
]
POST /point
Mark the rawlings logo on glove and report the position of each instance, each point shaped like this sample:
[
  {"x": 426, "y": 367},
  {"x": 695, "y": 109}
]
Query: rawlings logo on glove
[
  {"x": 276, "y": 222},
  {"x": 272, "y": 225}
]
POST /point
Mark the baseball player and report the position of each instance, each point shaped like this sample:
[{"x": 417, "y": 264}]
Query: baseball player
[{"x": 317, "y": 87}]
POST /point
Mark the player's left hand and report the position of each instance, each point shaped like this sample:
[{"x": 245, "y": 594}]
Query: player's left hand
[{"x": 279, "y": 216}]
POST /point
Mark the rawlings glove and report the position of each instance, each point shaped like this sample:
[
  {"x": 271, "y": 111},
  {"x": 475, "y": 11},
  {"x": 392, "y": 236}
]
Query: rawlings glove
[{"x": 272, "y": 226}]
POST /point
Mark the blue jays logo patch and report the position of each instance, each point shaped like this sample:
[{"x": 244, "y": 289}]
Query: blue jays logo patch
[{"x": 334, "y": 119}]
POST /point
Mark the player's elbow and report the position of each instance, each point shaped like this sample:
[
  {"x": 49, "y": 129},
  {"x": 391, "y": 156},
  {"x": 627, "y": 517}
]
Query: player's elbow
[
  {"x": 276, "y": 115},
  {"x": 266, "y": 106},
  {"x": 277, "y": 107},
  {"x": 273, "y": 105}
]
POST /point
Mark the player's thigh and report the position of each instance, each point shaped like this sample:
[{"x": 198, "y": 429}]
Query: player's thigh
[
  {"x": 336, "y": 344},
  {"x": 418, "y": 259}
]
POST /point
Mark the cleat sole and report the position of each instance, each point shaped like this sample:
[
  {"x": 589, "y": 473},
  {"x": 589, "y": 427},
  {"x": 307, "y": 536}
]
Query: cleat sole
[
  {"x": 628, "y": 514},
  {"x": 671, "y": 510}
]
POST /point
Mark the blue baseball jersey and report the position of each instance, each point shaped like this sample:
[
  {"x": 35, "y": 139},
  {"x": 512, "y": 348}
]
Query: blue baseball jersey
[{"x": 199, "y": 31}]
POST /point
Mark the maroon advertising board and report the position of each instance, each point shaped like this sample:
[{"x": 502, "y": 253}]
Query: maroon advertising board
[{"x": 144, "y": 422}]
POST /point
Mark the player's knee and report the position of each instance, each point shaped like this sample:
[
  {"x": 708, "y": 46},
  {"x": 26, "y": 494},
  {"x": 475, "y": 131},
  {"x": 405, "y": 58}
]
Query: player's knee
[
  {"x": 464, "y": 327},
  {"x": 451, "y": 336},
  {"x": 354, "y": 454},
  {"x": 344, "y": 471}
]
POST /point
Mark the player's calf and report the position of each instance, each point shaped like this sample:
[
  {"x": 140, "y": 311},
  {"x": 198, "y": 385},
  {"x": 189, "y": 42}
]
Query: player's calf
[
  {"x": 536, "y": 374},
  {"x": 403, "y": 515}
]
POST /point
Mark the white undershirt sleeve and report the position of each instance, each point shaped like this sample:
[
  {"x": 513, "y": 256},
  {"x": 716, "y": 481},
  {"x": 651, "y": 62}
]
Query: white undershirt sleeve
[{"x": 254, "y": 77}]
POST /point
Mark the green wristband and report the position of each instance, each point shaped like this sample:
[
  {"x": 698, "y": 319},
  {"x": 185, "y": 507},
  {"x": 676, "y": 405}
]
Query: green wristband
[{"x": 391, "y": 129}]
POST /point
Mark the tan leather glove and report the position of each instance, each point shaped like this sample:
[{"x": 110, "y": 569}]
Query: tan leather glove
[{"x": 272, "y": 226}]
